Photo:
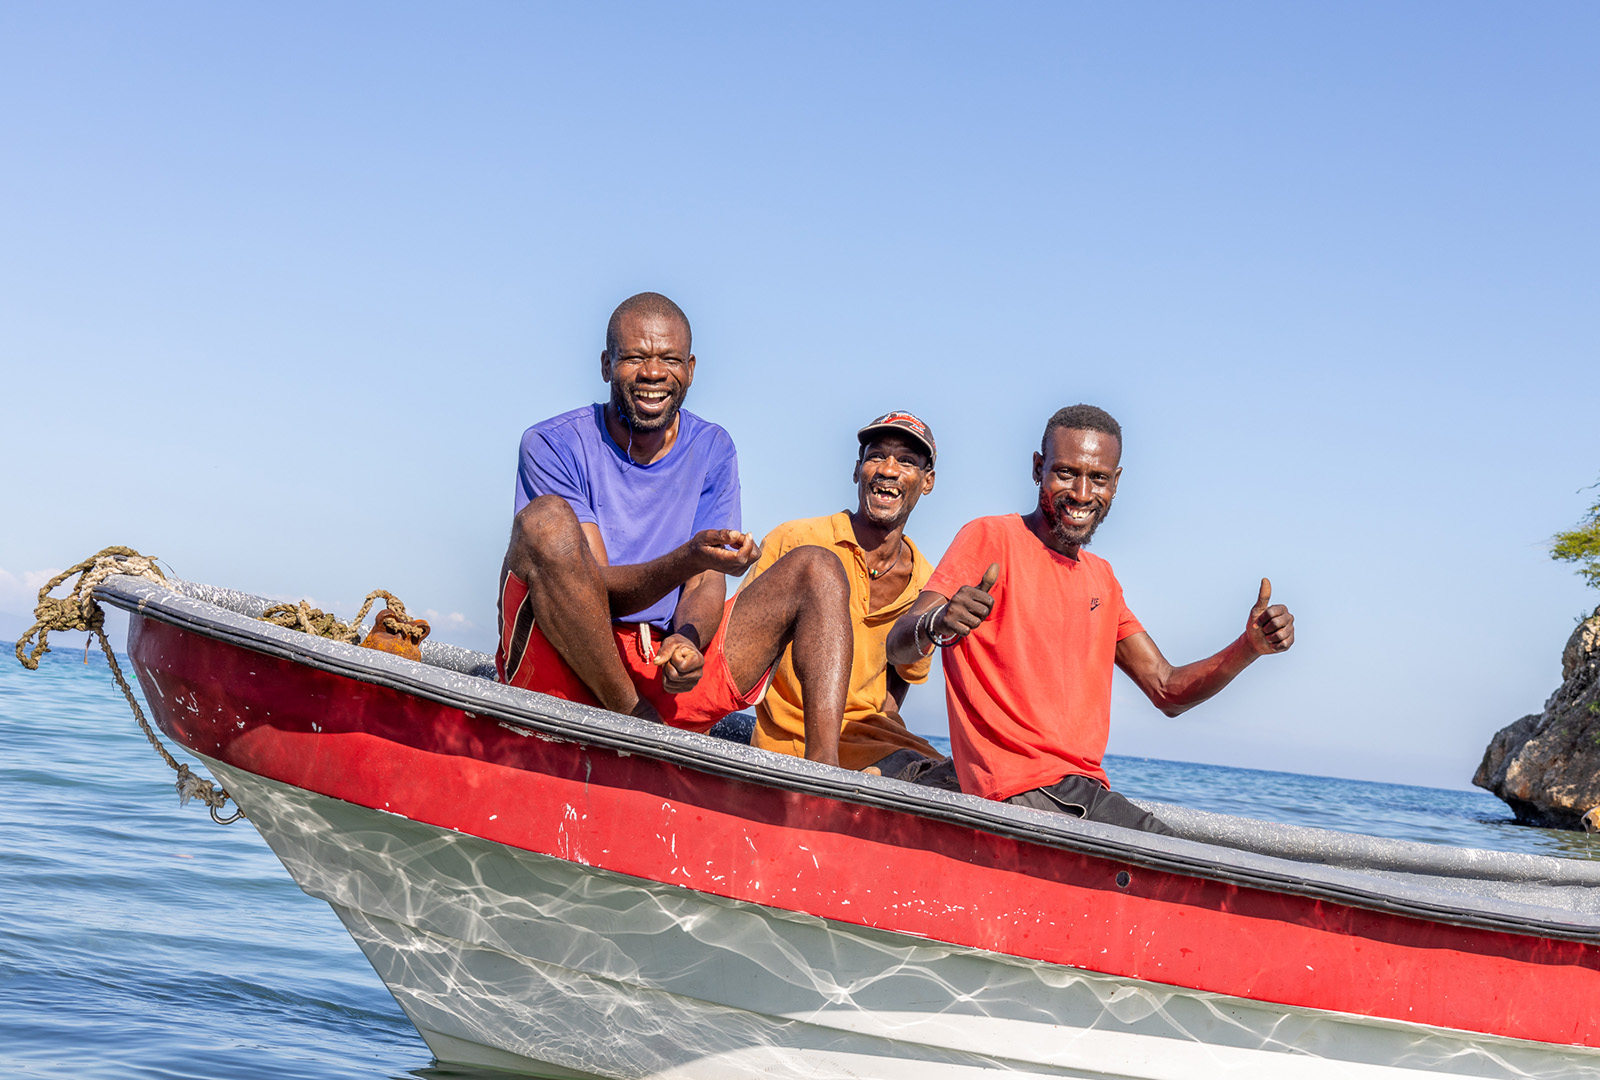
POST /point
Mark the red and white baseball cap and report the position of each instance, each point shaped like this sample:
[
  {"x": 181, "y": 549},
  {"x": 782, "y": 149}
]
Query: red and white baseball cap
[{"x": 906, "y": 424}]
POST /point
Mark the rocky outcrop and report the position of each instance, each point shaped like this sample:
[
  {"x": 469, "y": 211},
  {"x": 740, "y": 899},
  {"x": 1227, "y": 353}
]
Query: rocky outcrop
[{"x": 1547, "y": 766}]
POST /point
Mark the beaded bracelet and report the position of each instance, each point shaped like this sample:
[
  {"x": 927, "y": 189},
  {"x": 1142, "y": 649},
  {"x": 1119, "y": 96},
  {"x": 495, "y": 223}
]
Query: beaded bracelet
[{"x": 916, "y": 636}]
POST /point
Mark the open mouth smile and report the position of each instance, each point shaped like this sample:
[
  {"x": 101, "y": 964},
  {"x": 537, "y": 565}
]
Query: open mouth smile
[
  {"x": 1076, "y": 513},
  {"x": 884, "y": 495}
]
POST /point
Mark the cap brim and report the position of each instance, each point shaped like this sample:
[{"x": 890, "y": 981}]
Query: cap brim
[{"x": 866, "y": 432}]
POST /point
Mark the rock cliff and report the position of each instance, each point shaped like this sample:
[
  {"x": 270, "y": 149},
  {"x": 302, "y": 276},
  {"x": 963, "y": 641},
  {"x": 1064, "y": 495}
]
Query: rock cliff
[{"x": 1547, "y": 766}]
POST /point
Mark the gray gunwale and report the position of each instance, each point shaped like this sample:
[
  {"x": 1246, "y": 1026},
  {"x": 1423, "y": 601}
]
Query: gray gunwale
[{"x": 1531, "y": 895}]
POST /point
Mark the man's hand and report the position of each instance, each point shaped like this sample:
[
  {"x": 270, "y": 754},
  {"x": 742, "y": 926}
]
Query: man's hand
[
  {"x": 725, "y": 551},
  {"x": 1268, "y": 629},
  {"x": 681, "y": 664},
  {"x": 968, "y": 607}
]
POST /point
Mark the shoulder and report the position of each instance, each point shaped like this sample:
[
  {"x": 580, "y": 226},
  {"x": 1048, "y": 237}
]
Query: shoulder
[
  {"x": 1094, "y": 562},
  {"x": 800, "y": 531},
  {"x": 993, "y": 531},
  {"x": 808, "y": 527},
  {"x": 574, "y": 426},
  {"x": 701, "y": 432},
  {"x": 705, "y": 449},
  {"x": 979, "y": 542}
]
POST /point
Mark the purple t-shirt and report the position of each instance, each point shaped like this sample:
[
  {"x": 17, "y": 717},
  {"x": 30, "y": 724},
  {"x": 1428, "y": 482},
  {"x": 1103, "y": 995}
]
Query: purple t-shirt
[{"x": 644, "y": 511}]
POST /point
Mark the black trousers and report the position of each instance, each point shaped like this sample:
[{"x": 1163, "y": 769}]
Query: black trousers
[
  {"x": 1083, "y": 797},
  {"x": 914, "y": 768},
  {"x": 1076, "y": 795}
]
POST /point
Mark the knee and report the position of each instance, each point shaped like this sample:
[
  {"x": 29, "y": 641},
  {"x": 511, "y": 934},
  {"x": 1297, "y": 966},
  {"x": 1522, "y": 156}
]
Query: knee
[
  {"x": 820, "y": 573},
  {"x": 546, "y": 528}
]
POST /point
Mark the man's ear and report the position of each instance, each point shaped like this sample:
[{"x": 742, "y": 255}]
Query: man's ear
[
  {"x": 1038, "y": 468},
  {"x": 855, "y": 473},
  {"x": 927, "y": 481},
  {"x": 1114, "y": 478},
  {"x": 605, "y": 365}
]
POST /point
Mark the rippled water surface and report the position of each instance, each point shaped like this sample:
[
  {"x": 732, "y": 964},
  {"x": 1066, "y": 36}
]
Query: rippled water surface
[{"x": 138, "y": 939}]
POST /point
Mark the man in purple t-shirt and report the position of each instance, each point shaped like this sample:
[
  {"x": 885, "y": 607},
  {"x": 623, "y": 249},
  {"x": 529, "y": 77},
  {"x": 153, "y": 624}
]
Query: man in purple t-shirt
[{"x": 614, "y": 587}]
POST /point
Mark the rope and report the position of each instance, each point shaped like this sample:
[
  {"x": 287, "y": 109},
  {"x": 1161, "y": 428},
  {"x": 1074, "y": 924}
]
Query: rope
[
  {"x": 78, "y": 610},
  {"x": 303, "y": 616}
]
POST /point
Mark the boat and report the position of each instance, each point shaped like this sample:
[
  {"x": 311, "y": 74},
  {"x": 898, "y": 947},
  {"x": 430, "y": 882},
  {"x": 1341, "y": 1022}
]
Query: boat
[{"x": 554, "y": 889}]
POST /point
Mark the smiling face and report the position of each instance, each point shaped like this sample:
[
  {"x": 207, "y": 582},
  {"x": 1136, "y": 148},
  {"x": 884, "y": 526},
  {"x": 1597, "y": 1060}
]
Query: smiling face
[
  {"x": 891, "y": 476},
  {"x": 651, "y": 370},
  {"x": 1077, "y": 477}
]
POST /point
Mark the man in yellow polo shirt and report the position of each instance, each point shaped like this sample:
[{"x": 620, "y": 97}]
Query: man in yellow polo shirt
[{"x": 894, "y": 469}]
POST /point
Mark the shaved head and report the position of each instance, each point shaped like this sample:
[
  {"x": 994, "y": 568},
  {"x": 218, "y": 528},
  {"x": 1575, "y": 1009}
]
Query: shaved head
[{"x": 647, "y": 304}]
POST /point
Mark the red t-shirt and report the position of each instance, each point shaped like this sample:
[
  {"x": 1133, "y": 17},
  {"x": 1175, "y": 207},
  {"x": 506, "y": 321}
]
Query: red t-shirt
[{"x": 1029, "y": 691}]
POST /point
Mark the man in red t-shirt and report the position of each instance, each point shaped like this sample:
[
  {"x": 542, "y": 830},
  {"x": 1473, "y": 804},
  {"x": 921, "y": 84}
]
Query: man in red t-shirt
[{"x": 1029, "y": 647}]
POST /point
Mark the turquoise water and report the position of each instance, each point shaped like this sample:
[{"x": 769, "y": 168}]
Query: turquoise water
[{"x": 140, "y": 940}]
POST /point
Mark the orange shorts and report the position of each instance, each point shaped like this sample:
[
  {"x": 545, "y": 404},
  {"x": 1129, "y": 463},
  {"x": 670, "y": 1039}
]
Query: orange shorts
[{"x": 526, "y": 658}]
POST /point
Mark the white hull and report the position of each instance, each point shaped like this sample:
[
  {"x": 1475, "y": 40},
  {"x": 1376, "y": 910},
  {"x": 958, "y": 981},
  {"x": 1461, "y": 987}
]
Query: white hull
[{"x": 519, "y": 961}]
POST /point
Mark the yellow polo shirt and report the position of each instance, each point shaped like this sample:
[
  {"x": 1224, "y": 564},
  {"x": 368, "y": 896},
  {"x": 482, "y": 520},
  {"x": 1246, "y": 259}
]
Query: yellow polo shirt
[{"x": 870, "y": 733}]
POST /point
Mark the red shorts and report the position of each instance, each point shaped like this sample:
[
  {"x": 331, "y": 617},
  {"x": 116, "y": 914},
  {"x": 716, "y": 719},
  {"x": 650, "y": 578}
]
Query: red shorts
[{"x": 534, "y": 664}]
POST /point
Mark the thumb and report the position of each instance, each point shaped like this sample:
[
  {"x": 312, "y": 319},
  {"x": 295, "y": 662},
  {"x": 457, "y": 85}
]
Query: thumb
[
  {"x": 1265, "y": 596},
  {"x": 990, "y": 576}
]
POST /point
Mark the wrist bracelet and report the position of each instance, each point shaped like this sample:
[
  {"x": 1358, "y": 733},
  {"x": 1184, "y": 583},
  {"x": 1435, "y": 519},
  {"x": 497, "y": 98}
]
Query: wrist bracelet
[
  {"x": 943, "y": 642},
  {"x": 916, "y": 636}
]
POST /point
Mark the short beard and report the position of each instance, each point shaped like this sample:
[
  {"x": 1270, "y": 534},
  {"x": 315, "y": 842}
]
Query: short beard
[
  {"x": 1062, "y": 528},
  {"x": 894, "y": 518},
  {"x": 624, "y": 406}
]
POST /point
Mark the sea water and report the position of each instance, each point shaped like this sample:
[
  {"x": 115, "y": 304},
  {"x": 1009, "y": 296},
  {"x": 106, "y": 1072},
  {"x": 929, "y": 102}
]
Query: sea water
[{"x": 141, "y": 940}]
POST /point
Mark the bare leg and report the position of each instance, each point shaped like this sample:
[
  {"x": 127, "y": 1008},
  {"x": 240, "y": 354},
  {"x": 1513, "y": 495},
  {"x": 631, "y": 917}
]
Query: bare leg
[
  {"x": 548, "y": 553},
  {"x": 803, "y": 600}
]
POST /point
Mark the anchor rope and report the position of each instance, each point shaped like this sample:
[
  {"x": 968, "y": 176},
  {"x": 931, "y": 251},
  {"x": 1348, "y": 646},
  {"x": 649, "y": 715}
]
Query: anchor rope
[{"x": 79, "y": 610}]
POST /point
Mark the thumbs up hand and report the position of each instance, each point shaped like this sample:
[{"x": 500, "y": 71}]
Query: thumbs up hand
[
  {"x": 1269, "y": 627},
  {"x": 967, "y": 608}
]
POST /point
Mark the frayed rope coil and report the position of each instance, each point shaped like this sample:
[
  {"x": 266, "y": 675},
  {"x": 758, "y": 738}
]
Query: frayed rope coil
[
  {"x": 78, "y": 610},
  {"x": 303, "y": 616}
]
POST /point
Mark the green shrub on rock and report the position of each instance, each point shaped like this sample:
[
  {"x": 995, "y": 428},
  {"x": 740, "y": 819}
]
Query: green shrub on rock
[{"x": 1582, "y": 546}]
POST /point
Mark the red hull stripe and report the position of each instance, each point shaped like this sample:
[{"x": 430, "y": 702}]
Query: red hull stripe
[{"x": 381, "y": 748}]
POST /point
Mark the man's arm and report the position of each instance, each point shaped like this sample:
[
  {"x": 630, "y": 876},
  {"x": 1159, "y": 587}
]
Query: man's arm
[
  {"x": 681, "y": 657},
  {"x": 910, "y": 639},
  {"x": 898, "y": 689},
  {"x": 907, "y": 642},
  {"x": 636, "y": 587},
  {"x": 1173, "y": 690}
]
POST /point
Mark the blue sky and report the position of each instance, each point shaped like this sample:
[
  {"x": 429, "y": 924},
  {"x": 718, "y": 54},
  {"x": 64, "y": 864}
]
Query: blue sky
[{"x": 280, "y": 287}]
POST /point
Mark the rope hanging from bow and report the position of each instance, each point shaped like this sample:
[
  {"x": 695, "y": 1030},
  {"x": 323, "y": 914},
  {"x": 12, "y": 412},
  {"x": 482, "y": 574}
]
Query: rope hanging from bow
[{"x": 78, "y": 610}]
